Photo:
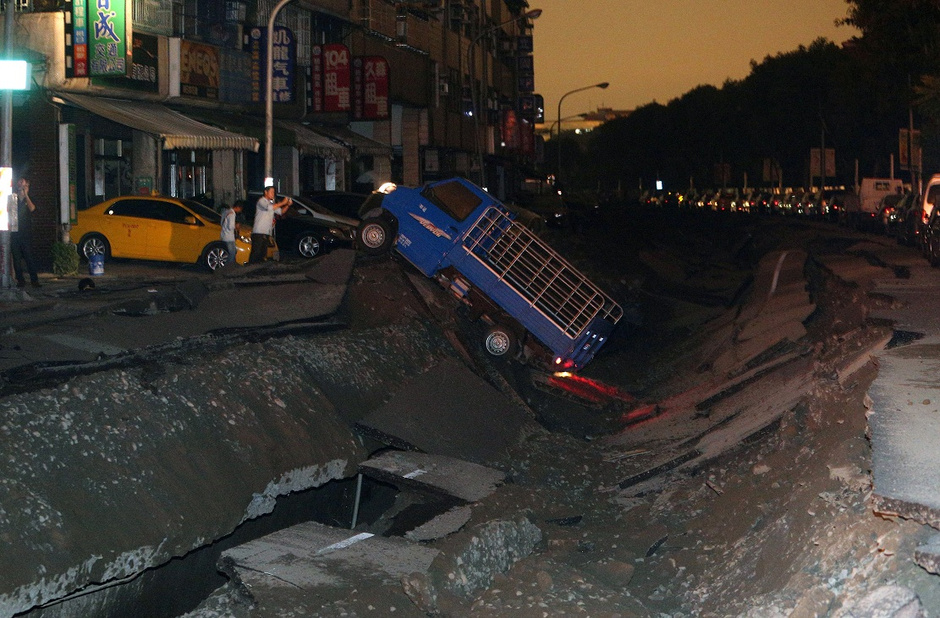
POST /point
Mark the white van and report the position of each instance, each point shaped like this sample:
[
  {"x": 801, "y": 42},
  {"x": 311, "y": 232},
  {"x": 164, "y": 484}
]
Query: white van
[{"x": 864, "y": 215}]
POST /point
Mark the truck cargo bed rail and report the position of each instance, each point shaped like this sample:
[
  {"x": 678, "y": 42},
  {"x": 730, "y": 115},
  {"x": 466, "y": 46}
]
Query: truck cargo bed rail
[{"x": 541, "y": 276}]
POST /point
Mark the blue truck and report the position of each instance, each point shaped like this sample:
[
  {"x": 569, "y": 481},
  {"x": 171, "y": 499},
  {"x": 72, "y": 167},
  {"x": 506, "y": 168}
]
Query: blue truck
[{"x": 461, "y": 236}]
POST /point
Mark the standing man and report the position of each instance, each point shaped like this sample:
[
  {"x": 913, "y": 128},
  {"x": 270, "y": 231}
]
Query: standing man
[
  {"x": 21, "y": 241},
  {"x": 230, "y": 229},
  {"x": 265, "y": 210}
]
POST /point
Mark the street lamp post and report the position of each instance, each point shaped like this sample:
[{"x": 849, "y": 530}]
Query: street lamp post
[
  {"x": 551, "y": 128},
  {"x": 602, "y": 86},
  {"x": 475, "y": 108},
  {"x": 269, "y": 98}
]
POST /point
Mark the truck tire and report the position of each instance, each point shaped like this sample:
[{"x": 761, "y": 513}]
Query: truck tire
[
  {"x": 499, "y": 341},
  {"x": 375, "y": 235}
]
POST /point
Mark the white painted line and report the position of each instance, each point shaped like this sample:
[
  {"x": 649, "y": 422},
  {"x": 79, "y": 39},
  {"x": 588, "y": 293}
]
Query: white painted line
[{"x": 345, "y": 543}]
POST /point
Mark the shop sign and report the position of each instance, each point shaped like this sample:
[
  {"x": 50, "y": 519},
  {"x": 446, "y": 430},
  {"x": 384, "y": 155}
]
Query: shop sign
[
  {"x": 96, "y": 36},
  {"x": 109, "y": 30},
  {"x": 235, "y": 80},
  {"x": 370, "y": 79},
  {"x": 199, "y": 70},
  {"x": 68, "y": 174},
  {"x": 330, "y": 78},
  {"x": 526, "y": 83},
  {"x": 524, "y": 44},
  {"x": 145, "y": 66},
  {"x": 283, "y": 64}
]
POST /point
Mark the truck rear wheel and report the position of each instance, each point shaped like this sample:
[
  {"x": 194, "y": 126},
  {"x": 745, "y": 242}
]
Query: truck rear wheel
[
  {"x": 375, "y": 235},
  {"x": 499, "y": 341}
]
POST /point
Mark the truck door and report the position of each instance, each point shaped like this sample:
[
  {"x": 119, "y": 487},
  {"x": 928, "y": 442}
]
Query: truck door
[{"x": 435, "y": 227}]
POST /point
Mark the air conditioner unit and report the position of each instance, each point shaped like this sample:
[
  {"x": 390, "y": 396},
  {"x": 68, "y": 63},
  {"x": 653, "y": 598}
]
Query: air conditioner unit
[{"x": 443, "y": 88}]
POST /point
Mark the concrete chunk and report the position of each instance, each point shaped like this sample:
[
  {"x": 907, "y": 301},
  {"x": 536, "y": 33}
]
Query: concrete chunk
[
  {"x": 435, "y": 474},
  {"x": 313, "y": 562}
]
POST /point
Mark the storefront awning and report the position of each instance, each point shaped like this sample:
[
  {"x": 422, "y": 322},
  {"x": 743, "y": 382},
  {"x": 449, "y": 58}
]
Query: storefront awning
[
  {"x": 357, "y": 143},
  {"x": 174, "y": 129},
  {"x": 312, "y": 143}
]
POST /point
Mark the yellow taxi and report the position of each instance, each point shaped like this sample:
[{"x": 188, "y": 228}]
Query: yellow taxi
[{"x": 155, "y": 228}]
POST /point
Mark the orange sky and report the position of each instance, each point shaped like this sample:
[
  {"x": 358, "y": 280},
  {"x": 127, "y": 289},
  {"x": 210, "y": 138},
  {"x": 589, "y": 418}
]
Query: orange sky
[{"x": 660, "y": 49}]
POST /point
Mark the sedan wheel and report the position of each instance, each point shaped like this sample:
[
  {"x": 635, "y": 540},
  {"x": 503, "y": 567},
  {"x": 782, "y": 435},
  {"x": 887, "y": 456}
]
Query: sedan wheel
[
  {"x": 214, "y": 257},
  {"x": 308, "y": 245},
  {"x": 94, "y": 244}
]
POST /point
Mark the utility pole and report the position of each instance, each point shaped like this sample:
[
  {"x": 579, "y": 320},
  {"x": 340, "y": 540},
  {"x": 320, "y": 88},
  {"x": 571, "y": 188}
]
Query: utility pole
[{"x": 6, "y": 147}]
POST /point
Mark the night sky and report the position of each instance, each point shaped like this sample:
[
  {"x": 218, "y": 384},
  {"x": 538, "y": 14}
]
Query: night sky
[{"x": 659, "y": 50}]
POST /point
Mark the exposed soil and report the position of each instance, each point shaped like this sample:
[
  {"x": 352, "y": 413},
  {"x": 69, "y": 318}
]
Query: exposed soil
[{"x": 781, "y": 526}]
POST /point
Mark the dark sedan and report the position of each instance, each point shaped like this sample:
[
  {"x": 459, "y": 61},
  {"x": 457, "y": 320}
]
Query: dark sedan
[{"x": 295, "y": 231}]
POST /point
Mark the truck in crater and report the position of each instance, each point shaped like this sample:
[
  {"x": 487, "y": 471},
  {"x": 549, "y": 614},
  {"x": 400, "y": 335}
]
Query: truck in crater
[{"x": 536, "y": 305}]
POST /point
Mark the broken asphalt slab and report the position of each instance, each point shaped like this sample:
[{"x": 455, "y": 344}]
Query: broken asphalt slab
[{"x": 449, "y": 410}]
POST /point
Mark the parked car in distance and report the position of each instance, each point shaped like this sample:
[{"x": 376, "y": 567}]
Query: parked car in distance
[
  {"x": 155, "y": 228},
  {"x": 297, "y": 231},
  {"x": 910, "y": 221},
  {"x": 888, "y": 211},
  {"x": 930, "y": 238}
]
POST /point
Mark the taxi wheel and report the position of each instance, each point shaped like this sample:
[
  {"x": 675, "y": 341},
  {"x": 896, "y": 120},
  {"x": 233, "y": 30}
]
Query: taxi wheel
[
  {"x": 308, "y": 245},
  {"x": 94, "y": 244},
  {"x": 214, "y": 256}
]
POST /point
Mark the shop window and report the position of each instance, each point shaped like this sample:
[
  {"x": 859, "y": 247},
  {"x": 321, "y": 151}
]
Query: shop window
[
  {"x": 112, "y": 169},
  {"x": 188, "y": 174}
]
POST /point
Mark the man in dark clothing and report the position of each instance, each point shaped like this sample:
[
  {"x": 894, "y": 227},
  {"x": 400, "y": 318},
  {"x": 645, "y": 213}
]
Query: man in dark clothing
[{"x": 21, "y": 240}]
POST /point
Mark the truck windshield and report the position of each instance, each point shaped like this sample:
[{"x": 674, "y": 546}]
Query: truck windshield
[{"x": 453, "y": 198}]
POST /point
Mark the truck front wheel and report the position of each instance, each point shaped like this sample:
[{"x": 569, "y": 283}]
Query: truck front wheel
[
  {"x": 375, "y": 235},
  {"x": 499, "y": 341}
]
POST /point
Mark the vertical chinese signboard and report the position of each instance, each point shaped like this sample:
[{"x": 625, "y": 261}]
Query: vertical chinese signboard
[
  {"x": 370, "y": 88},
  {"x": 283, "y": 64},
  {"x": 96, "y": 38},
  {"x": 330, "y": 77}
]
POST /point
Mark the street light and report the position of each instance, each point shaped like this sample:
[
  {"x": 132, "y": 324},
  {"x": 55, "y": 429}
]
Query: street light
[
  {"x": 602, "y": 86},
  {"x": 551, "y": 128},
  {"x": 474, "y": 108},
  {"x": 269, "y": 97}
]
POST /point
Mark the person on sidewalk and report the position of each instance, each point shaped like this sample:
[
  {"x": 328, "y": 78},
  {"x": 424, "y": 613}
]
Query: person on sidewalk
[
  {"x": 21, "y": 241},
  {"x": 230, "y": 229},
  {"x": 263, "y": 227}
]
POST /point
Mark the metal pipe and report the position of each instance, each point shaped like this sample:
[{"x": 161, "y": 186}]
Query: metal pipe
[{"x": 355, "y": 517}]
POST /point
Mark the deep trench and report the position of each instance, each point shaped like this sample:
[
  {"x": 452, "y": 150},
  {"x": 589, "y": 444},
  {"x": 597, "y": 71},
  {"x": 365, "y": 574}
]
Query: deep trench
[{"x": 180, "y": 585}]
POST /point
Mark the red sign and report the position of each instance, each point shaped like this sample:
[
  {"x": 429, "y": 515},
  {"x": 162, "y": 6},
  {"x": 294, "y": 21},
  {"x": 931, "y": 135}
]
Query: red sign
[
  {"x": 336, "y": 78},
  {"x": 371, "y": 88}
]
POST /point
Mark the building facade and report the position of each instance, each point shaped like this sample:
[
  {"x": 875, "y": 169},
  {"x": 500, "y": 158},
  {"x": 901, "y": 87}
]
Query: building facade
[{"x": 168, "y": 96}]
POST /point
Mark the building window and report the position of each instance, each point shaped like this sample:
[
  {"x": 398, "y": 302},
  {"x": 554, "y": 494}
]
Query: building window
[
  {"x": 112, "y": 168},
  {"x": 298, "y": 21},
  {"x": 188, "y": 174}
]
